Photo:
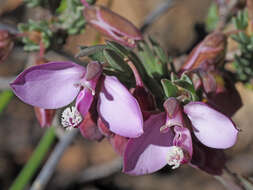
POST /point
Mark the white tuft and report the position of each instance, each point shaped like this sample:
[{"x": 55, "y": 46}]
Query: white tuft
[
  {"x": 70, "y": 118},
  {"x": 175, "y": 156}
]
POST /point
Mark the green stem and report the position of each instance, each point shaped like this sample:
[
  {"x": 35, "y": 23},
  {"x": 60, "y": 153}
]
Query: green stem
[
  {"x": 32, "y": 165},
  {"x": 5, "y": 98}
]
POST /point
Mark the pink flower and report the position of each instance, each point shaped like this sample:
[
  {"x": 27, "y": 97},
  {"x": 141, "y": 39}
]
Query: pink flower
[
  {"x": 167, "y": 138},
  {"x": 57, "y": 84}
]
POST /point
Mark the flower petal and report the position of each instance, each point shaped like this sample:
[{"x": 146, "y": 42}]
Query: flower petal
[
  {"x": 89, "y": 128},
  {"x": 211, "y": 127},
  {"x": 119, "y": 110},
  {"x": 84, "y": 101},
  {"x": 49, "y": 86},
  {"x": 183, "y": 140},
  {"x": 225, "y": 94},
  {"x": 208, "y": 159},
  {"x": 147, "y": 153},
  {"x": 44, "y": 116},
  {"x": 119, "y": 143}
]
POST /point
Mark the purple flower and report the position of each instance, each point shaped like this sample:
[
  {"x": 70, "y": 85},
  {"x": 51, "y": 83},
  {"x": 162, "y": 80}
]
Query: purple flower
[
  {"x": 202, "y": 65},
  {"x": 57, "y": 84},
  {"x": 167, "y": 137}
]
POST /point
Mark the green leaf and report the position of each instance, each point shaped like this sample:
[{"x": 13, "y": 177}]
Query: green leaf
[
  {"x": 118, "y": 48},
  {"x": 244, "y": 37},
  {"x": 184, "y": 77},
  {"x": 212, "y": 17},
  {"x": 90, "y": 50},
  {"x": 40, "y": 26},
  {"x": 116, "y": 62},
  {"x": 33, "y": 3},
  {"x": 241, "y": 20},
  {"x": 186, "y": 83},
  {"x": 153, "y": 66},
  {"x": 62, "y": 7},
  {"x": 173, "y": 77},
  {"x": 160, "y": 53},
  {"x": 169, "y": 88},
  {"x": 70, "y": 16}
]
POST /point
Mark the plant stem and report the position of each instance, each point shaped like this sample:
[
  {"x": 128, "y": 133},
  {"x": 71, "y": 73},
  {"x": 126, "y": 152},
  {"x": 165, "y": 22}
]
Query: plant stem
[
  {"x": 32, "y": 165},
  {"x": 5, "y": 98},
  {"x": 48, "y": 169},
  {"x": 230, "y": 180},
  {"x": 160, "y": 10}
]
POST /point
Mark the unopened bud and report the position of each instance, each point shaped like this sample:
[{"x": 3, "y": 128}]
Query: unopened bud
[
  {"x": 112, "y": 25},
  {"x": 208, "y": 54},
  {"x": 6, "y": 44}
]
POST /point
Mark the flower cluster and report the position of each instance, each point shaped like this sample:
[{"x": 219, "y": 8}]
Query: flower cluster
[
  {"x": 147, "y": 128},
  {"x": 133, "y": 124}
]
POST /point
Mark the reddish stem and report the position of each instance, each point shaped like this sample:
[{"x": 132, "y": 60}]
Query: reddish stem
[
  {"x": 137, "y": 76},
  {"x": 42, "y": 49}
]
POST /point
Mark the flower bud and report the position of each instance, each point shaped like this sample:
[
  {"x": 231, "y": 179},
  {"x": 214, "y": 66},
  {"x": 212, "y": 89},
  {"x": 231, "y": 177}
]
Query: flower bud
[
  {"x": 209, "y": 54},
  {"x": 6, "y": 44},
  {"x": 112, "y": 25}
]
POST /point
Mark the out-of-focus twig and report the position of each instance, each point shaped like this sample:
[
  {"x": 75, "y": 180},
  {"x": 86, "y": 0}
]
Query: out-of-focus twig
[
  {"x": 9, "y": 28},
  {"x": 225, "y": 10},
  {"x": 159, "y": 11},
  {"x": 100, "y": 171},
  {"x": 230, "y": 180},
  {"x": 94, "y": 173},
  {"x": 48, "y": 169}
]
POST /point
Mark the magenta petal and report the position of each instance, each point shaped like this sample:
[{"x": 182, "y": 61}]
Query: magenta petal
[
  {"x": 119, "y": 110},
  {"x": 208, "y": 159},
  {"x": 211, "y": 127},
  {"x": 183, "y": 140},
  {"x": 89, "y": 128},
  {"x": 84, "y": 101},
  {"x": 147, "y": 153},
  {"x": 44, "y": 116},
  {"x": 119, "y": 144},
  {"x": 221, "y": 100},
  {"x": 49, "y": 86}
]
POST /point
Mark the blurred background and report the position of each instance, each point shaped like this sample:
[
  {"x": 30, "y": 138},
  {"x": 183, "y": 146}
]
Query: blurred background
[{"x": 178, "y": 30}]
